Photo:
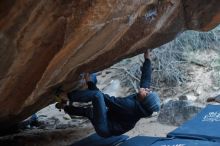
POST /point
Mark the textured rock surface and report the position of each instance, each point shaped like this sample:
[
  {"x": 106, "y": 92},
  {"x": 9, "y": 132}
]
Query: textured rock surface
[
  {"x": 47, "y": 43},
  {"x": 176, "y": 112}
]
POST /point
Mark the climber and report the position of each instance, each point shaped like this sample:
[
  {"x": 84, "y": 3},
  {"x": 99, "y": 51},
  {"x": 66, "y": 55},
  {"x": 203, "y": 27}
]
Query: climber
[{"x": 114, "y": 116}]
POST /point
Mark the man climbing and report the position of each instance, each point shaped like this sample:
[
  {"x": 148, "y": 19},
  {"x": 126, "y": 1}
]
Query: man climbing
[{"x": 114, "y": 116}]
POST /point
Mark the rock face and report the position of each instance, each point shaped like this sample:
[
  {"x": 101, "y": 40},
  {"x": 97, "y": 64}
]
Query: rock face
[
  {"x": 48, "y": 43},
  {"x": 176, "y": 112}
]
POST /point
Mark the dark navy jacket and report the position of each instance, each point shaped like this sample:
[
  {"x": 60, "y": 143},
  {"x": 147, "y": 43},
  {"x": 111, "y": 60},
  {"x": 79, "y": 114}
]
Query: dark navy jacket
[{"x": 124, "y": 113}]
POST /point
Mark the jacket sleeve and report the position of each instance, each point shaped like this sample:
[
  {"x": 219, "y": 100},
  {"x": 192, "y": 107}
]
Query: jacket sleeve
[{"x": 146, "y": 74}]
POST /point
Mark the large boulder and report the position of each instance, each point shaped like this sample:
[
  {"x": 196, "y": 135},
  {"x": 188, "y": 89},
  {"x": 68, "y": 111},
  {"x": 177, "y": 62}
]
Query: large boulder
[
  {"x": 176, "y": 112},
  {"x": 48, "y": 43}
]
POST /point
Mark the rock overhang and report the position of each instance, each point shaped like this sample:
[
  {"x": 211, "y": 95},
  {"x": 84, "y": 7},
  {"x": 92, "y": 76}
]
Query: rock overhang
[{"x": 47, "y": 44}]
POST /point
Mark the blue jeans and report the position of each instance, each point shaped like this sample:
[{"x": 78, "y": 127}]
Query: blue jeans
[{"x": 98, "y": 117}]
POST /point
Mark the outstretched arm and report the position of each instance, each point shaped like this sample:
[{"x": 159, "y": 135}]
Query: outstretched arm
[{"x": 146, "y": 71}]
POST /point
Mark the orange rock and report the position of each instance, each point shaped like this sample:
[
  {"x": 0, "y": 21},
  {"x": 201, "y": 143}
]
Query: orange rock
[{"x": 45, "y": 44}]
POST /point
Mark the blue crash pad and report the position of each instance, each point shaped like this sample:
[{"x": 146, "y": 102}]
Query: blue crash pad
[
  {"x": 140, "y": 141},
  {"x": 158, "y": 141},
  {"x": 184, "y": 142},
  {"x": 205, "y": 126},
  {"x": 95, "y": 140}
]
